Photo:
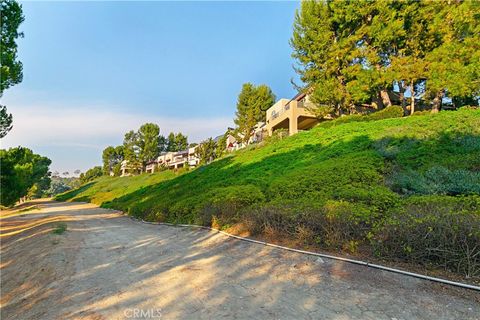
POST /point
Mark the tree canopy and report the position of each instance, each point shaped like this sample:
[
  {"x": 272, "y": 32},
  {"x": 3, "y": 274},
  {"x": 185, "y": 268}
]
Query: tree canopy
[
  {"x": 6, "y": 120},
  {"x": 253, "y": 101},
  {"x": 141, "y": 146},
  {"x": 23, "y": 172},
  {"x": 112, "y": 158},
  {"x": 176, "y": 142},
  {"x": 206, "y": 151},
  {"x": 11, "y": 69},
  {"x": 91, "y": 174},
  {"x": 352, "y": 53}
]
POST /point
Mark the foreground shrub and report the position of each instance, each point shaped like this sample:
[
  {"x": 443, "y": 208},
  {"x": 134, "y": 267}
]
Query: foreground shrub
[
  {"x": 225, "y": 204},
  {"x": 433, "y": 231},
  {"x": 437, "y": 180},
  {"x": 334, "y": 225}
]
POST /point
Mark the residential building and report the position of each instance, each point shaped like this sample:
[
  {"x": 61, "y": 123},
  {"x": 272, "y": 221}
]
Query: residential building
[
  {"x": 232, "y": 143},
  {"x": 174, "y": 160},
  {"x": 293, "y": 115},
  {"x": 128, "y": 170}
]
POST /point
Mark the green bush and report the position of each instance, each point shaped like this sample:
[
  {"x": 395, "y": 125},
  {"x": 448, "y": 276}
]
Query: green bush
[
  {"x": 437, "y": 180},
  {"x": 421, "y": 113},
  {"x": 387, "y": 113},
  {"x": 434, "y": 231},
  {"x": 226, "y": 203}
]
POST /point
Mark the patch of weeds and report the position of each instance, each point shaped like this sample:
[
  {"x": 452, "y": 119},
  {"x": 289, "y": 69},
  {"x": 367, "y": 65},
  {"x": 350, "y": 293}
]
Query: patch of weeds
[{"x": 60, "y": 228}]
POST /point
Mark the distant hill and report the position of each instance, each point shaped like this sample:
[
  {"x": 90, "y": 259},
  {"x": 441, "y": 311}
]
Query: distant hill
[{"x": 400, "y": 189}]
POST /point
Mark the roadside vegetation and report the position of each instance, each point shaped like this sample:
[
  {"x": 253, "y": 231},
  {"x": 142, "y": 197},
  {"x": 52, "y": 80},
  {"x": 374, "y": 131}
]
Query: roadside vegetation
[
  {"x": 60, "y": 228},
  {"x": 402, "y": 189}
]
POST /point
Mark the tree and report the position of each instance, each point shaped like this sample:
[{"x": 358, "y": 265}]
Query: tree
[
  {"x": 353, "y": 53},
  {"x": 253, "y": 101},
  {"x": 320, "y": 50},
  {"x": 181, "y": 141},
  {"x": 206, "y": 151},
  {"x": 112, "y": 157},
  {"x": 176, "y": 142},
  {"x": 21, "y": 171},
  {"x": 139, "y": 147},
  {"x": 91, "y": 174},
  {"x": 131, "y": 150},
  {"x": 221, "y": 145},
  {"x": 6, "y": 120},
  {"x": 10, "y": 66},
  {"x": 148, "y": 138},
  {"x": 77, "y": 172},
  {"x": 453, "y": 67}
]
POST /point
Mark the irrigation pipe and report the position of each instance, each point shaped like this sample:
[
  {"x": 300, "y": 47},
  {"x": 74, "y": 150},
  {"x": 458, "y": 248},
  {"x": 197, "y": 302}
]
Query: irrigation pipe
[{"x": 322, "y": 255}]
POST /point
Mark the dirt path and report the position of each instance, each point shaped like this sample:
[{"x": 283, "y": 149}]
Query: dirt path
[{"x": 106, "y": 266}]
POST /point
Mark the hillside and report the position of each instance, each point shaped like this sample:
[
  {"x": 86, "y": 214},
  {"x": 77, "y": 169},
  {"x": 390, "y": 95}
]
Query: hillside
[{"x": 402, "y": 189}]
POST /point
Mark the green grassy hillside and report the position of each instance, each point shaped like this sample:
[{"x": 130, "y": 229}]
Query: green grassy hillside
[{"x": 391, "y": 187}]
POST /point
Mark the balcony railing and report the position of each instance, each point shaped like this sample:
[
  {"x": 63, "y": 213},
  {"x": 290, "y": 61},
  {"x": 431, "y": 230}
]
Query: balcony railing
[{"x": 275, "y": 114}]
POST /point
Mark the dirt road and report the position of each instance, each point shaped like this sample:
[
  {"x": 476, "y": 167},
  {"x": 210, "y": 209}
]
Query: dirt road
[{"x": 106, "y": 266}]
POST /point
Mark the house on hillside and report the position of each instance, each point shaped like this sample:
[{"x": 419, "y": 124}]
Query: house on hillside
[
  {"x": 128, "y": 169},
  {"x": 293, "y": 115},
  {"x": 235, "y": 142},
  {"x": 232, "y": 143},
  {"x": 174, "y": 160}
]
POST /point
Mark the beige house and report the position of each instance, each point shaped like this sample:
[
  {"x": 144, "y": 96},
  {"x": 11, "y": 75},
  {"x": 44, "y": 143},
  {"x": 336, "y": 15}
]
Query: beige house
[
  {"x": 293, "y": 115},
  {"x": 128, "y": 170},
  {"x": 174, "y": 160}
]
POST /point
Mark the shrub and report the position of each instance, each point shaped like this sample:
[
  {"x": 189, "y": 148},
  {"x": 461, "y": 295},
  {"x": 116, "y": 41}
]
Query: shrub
[
  {"x": 225, "y": 204},
  {"x": 436, "y": 180},
  {"x": 268, "y": 219},
  {"x": 434, "y": 231},
  {"x": 422, "y": 113},
  {"x": 387, "y": 113},
  {"x": 335, "y": 225}
]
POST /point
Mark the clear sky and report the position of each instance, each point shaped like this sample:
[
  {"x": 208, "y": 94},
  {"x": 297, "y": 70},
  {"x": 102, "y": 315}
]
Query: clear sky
[{"x": 94, "y": 70}]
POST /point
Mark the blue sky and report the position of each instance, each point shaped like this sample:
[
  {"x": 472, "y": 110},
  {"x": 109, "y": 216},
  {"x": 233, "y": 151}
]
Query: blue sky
[{"x": 93, "y": 70}]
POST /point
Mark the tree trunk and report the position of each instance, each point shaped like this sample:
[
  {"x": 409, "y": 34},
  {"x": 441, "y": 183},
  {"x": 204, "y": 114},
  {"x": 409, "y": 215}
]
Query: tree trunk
[
  {"x": 412, "y": 99},
  {"x": 385, "y": 98},
  {"x": 437, "y": 102},
  {"x": 401, "y": 89}
]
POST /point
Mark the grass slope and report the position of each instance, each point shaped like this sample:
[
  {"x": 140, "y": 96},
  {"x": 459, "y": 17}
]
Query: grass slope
[{"x": 341, "y": 187}]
